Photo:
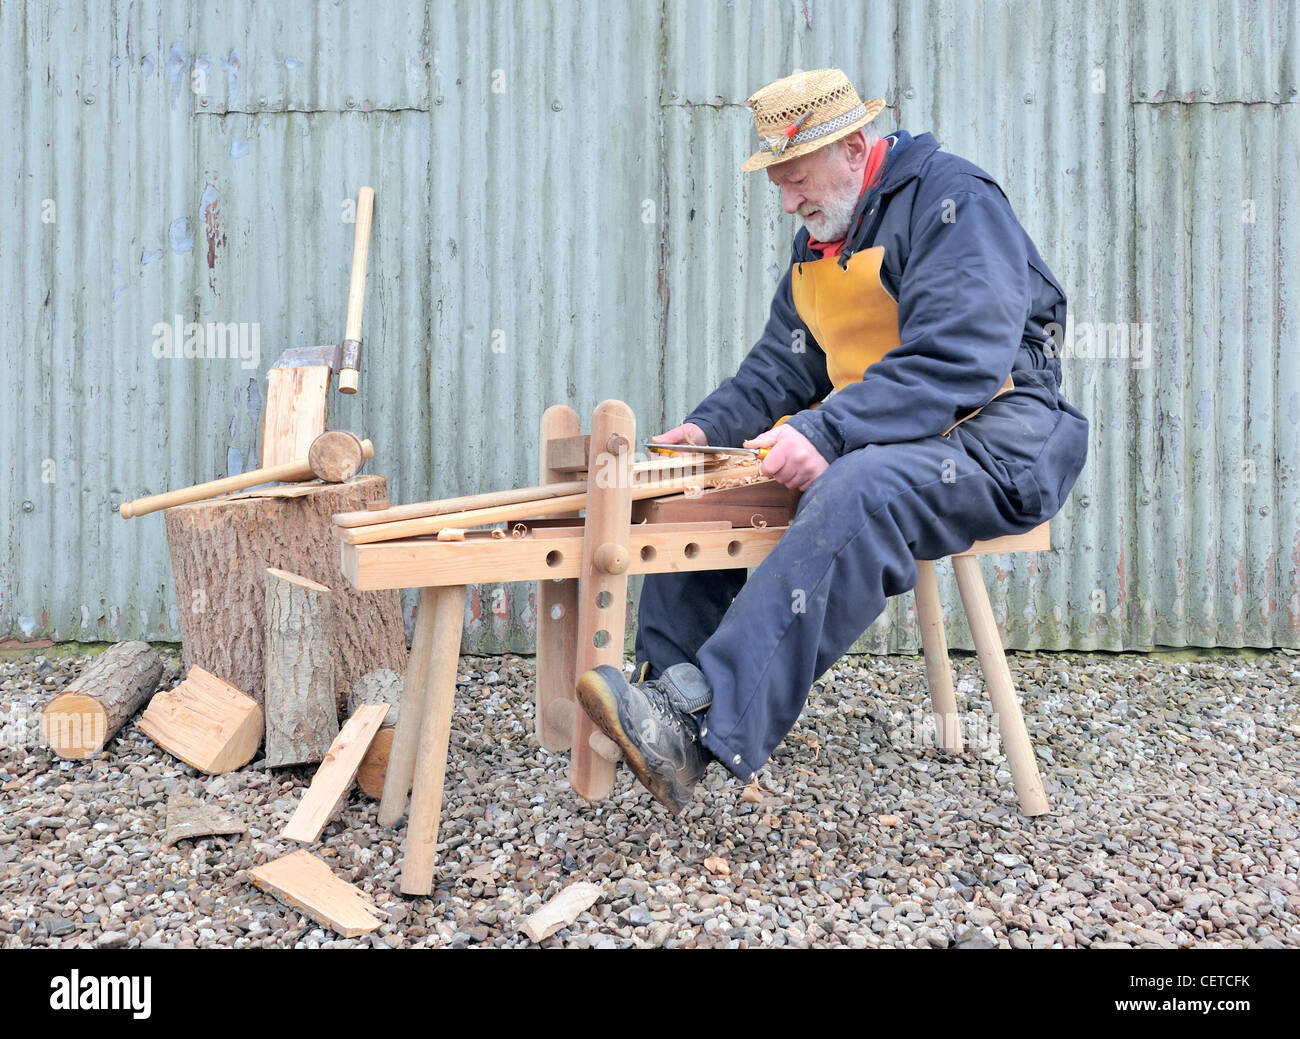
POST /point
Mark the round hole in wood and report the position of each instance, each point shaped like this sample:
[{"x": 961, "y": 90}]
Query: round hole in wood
[
  {"x": 603, "y": 599},
  {"x": 733, "y": 548},
  {"x": 691, "y": 550},
  {"x": 648, "y": 553},
  {"x": 601, "y": 639},
  {"x": 554, "y": 557}
]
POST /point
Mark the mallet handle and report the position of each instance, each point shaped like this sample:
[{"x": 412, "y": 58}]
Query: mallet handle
[{"x": 287, "y": 472}]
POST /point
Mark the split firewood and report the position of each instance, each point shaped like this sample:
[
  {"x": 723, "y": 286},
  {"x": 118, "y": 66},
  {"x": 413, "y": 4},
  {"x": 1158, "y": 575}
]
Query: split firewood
[
  {"x": 383, "y": 686},
  {"x": 88, "y": 713},
  {"x": 561, "y": 911},
  {"x": 302, "y": 881},
  {"x": 298, "y": 692},
  {"x": 206, "y": 722},
  {"x": 330, "y": 784},
  {"x": 188, "y": 818}
]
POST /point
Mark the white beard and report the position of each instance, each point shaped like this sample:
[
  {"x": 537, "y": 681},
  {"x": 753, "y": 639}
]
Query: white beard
[{"x": 832, "y": 223}]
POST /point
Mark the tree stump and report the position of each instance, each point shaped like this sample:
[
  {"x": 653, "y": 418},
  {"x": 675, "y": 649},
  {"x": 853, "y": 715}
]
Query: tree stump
[
  {"x": 302, "y": 715},
  {"x": 220, "y": 551},
  {"x": 87, "y": 714}
]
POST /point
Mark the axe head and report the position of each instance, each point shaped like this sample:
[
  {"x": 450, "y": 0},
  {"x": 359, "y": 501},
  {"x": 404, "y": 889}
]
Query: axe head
[{"x": 310, "y": 356}]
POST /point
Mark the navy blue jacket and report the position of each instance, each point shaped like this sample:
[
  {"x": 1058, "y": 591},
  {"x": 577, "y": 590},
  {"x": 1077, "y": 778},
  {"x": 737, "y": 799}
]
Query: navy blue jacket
[{"x": 975, "y": 301}]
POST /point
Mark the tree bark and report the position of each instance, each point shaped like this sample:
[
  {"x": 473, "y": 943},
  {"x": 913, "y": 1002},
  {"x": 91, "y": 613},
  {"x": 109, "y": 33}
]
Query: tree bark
[
  {"x": 87, "y": 714},
  {"x": 220, "y": 551},
  {"x": 301, "y": 711}
]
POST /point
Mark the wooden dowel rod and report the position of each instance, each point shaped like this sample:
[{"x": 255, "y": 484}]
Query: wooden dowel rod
[
  {"x": 527, "y": 510},
  {"x": 491, "y": 499}
]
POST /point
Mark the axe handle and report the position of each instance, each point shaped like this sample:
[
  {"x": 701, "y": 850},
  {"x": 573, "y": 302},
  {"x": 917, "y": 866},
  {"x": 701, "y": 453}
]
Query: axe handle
[
  {"x": 357, "y": 290},
  {"x": 286, "y": 472}
]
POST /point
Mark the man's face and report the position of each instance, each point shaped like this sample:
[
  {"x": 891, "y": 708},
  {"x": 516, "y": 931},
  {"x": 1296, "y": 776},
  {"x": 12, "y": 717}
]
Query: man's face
[{"x": 822, "y": 187}]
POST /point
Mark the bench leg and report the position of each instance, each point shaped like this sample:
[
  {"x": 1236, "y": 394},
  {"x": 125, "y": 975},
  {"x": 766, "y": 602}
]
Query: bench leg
[
  {"x": 997, "y": 676},
  {"x": 435, "y": 733},
  {"x": 938, "y": 671},
  {"x": 401, "y": 759},
  {"x": 557, "y": 614},
  {"x": 602, "y": 599}
]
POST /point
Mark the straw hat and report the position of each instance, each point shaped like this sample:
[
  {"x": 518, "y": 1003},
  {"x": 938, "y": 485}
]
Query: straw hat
[{"x": 804, "y": 112}]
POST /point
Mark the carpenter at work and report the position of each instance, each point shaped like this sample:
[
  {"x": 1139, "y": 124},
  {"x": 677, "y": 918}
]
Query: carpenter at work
[{"x": 915, "y": 297}]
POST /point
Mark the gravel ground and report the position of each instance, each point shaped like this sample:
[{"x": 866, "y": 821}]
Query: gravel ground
[{"x": 1174, "y": 822}]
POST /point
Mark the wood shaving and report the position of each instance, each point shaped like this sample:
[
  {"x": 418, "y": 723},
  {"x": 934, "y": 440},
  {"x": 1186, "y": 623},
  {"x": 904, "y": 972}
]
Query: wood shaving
[
  {"x": 757, "y": 520},
  {"x": 498, "y": 534},
  {"x": 519, "y": 530},
  {"x": 451, "y": 534}
]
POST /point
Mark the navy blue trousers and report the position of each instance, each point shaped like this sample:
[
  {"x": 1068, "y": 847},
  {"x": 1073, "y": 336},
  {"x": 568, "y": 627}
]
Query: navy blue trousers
[{"x": 762, "y": 642}]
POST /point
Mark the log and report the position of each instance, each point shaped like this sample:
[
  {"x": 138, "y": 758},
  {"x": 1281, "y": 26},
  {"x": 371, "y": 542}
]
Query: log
[
  {"x": 302, "y": 881},
  {"x": 330, "y": 784},
  {"x": 87, "y": 714},
  {"x": 382, "y": 686},
  {"x": 302, "y": 715},
  {"x": 220, "y": 551},
  {"x": 206, "y": 722}
]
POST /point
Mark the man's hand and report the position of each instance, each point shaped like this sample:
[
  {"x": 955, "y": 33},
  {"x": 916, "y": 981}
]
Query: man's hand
[
  {"x": 686, "y": 433},
  {"x": 792, "y": 461}
]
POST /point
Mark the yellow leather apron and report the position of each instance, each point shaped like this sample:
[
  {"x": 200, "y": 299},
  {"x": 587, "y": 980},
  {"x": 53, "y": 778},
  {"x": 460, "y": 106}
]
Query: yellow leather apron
[{"x": 852, "y": 316}]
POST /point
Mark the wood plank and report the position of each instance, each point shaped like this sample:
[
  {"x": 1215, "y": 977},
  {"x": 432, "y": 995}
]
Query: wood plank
[
  {"x": 206, "y": 722},
  {"x": 1037, "y": 540},
  {"x": 303, "y": 881},
  {"x": 557, "y": 610},
  {"x": 567, "y": 453},
  {"x": 330, "y": 784},
  {"x": 681, "y": 510},
  {"x": 295, "y": 411},
  {"x": 421, "y": 563},
  {"x": 602, "y": 600}
]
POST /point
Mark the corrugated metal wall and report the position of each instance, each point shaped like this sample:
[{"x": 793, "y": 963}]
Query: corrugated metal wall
[{"x": 561, "y": 218}]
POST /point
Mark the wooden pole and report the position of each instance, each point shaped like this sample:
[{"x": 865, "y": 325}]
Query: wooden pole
[
  {"x": 997, "y": 676},
  {"x": 938, "y": 670},
  {"x": 602, "y": 600},
  {"x": 401, "y": 759},
  {"x": 424, "y": 509},
  {"x": 534, "y": 509},
  {"x": 557, "y": 614},
  {"x": 435, "y": 734}
]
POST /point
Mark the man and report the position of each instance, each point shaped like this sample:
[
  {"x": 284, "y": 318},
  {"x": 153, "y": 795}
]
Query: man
[{"x": 917, "y": 311}]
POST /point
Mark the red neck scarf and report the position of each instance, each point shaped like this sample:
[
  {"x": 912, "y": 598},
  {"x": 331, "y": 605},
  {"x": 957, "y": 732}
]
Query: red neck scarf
[{"x": 875, "y": 163}]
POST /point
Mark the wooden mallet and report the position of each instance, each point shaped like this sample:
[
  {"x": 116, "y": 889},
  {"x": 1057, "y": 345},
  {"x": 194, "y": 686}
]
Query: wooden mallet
[{"x": 334, "y": 456}]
